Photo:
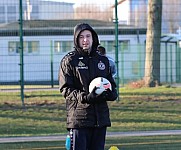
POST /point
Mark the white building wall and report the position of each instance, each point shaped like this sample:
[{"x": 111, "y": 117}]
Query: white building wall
[
  {"x": 37, "y": 67},
  {"x": 9, "y": 70}
]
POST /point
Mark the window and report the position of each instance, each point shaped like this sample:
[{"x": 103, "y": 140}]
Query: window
[
  {"x": 13, "y": 47},
  {"x": 29, "y": 47},
  {"x": 179, "y": 44},
  {"x": 67, "y": 46},
  {"x": 63, "y": 46},
  {"x": 124, "y": 45},
  {"x": 33, "y": 47},
  {"x": 109, "y": 45},
  {"x": 57, "y": 47},
  {"x": 103, "y": 43}
]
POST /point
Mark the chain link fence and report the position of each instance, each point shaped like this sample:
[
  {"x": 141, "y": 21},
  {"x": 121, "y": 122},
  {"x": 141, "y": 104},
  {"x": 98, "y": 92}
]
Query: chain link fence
[
  {"x": 30, "y": 58},
  {"x": 48, "y": 36}
]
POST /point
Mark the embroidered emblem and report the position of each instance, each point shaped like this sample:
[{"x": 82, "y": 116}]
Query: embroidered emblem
[
  {"x": 81, "y": 65},
  {"x": 101, "y": 65}
]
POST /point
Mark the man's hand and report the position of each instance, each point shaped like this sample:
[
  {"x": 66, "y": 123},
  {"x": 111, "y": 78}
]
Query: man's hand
[
  {"x": 110, "y": 95},
  {"x": 107, "y": 95},
  {"x": 96, "y": 98},
  {"x": 91, "y": 97}
]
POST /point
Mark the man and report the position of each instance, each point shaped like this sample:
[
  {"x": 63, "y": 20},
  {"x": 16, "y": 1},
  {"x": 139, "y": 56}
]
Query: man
[
  {"x": 87, "y": 113},
  {"x": 112, "y": 65}
]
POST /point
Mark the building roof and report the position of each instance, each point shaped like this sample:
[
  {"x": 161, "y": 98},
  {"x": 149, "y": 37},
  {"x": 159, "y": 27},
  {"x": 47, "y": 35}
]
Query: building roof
[
  {"x": 61, "y": 27},
  {"x": 37, "y": 24}
]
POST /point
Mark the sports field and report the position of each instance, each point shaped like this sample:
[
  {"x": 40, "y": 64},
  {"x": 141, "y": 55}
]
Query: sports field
[
  {"x": 126, "y": 143},
  {"x": 143, "y": 109}
]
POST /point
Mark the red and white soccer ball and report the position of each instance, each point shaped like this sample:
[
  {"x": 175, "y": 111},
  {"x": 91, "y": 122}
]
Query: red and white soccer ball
[{"x": 101, "y": 84}]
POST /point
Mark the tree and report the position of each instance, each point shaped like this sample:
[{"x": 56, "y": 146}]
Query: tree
[
  {"x": 152, "y": 61},
  {"x": 93, "y": 11}
]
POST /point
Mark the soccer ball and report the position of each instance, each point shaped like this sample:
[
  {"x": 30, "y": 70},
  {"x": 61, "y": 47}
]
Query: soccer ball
[{"x": 101, "y": 84}]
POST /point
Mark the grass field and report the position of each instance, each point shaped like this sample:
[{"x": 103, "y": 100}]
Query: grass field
[
  {"x": 126, "y": 143},
  {"x": 138, "y": 110}
]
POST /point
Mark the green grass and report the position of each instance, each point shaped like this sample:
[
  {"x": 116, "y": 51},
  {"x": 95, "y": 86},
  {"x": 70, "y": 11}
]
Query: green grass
[
  {"x": 138, "y": 110},
  {"x": 124, "y": 143},
  {"x": 148, "y": 142}
]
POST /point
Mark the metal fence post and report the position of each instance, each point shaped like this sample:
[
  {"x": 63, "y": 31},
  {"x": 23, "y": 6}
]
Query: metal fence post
[
  {"x": 21, "y": 52},
  {"x": 116, "y": 46},
  {"x": 51, "y": 62},
  {"x": 166, "y": 61},
  {"x": 171, "y": 67}
]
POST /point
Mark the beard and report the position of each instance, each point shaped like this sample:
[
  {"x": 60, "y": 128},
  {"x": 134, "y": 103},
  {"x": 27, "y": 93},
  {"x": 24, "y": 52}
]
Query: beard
[{"x": 87, "y": 50}]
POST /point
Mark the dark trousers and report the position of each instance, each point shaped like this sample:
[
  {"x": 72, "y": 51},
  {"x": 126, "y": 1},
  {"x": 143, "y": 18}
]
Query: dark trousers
[{"x": 88, "y": 138}]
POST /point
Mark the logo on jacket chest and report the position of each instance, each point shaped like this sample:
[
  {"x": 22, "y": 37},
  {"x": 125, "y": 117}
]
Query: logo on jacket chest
[
  {"x": 101, "y": 65},
  {"x": 81, "y": 65}
]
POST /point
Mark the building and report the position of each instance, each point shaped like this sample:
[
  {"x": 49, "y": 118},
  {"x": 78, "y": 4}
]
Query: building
[
  {"x": 47, "y": 41},
  {"x": 35, "y": 10},
  {"x": 134, "y": 12}
]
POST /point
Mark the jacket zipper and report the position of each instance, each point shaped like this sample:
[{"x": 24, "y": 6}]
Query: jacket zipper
[{"x": 94, "y": 105}]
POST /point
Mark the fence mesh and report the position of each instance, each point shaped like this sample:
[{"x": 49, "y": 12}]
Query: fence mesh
[{"x": 48, "y": 36}]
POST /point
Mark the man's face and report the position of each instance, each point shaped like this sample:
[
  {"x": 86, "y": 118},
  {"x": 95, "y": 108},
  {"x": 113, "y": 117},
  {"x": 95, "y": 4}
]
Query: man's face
[{"x": 85, "y": 40}]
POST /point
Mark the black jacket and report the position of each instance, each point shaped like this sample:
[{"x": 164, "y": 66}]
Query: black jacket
[{"x": 77, "y": 70}]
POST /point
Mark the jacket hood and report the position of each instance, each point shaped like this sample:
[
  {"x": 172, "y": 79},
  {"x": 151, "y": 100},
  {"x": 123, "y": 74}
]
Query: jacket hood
[{"x": 79, "y": 28}]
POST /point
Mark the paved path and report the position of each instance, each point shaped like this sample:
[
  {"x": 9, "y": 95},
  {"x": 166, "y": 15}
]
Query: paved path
[
  {"x": 109, "y": 134},
  {"x": 30, "y": 89}
]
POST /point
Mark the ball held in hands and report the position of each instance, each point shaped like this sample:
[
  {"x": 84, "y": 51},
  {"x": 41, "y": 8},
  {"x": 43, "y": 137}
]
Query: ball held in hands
[{"x": 101, "y": 85}]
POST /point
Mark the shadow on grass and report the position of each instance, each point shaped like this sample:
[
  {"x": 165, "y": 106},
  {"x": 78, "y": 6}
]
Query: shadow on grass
[{"x": 139, "y": 120}]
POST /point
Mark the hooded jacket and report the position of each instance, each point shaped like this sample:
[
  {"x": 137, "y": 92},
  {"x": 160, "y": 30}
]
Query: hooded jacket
[{"x": 77, "y": 70}]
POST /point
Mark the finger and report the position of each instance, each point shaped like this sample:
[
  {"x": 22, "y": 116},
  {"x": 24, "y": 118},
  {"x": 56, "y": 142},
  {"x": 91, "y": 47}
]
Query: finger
[
  {"x": 94, "y": 89},
  {"x": 108, "y": 90}
]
